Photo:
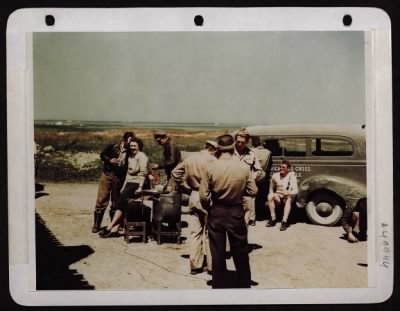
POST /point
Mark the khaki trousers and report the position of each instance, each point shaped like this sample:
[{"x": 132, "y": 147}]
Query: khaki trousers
[
  {"x": 249, "y": 205},
  {"x": 199, "y": 244}
]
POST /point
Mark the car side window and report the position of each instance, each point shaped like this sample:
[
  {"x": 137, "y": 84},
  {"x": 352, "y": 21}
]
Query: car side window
[
  {"x": 274, "y": 146},
  {"x": 331, "y": 147},
  {"x": 294, "y": 147},
  {"x": 287, "y": 147}
]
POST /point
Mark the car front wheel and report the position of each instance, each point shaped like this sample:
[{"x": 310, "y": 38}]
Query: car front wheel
[{"x": 324, "y": 209}]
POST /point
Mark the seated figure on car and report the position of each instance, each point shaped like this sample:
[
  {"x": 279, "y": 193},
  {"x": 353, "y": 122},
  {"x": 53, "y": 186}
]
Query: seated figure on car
[{"x": 282, "y": 190}]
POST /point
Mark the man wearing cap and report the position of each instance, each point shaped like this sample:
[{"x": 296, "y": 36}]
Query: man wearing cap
[
  {"x": 248, "y": 157},
  {"x": 222, "y": 190},
  {"x": 171, "y": 153},
  {"x": 114, "y": 157},
  {"x": 187, "y": 175}
]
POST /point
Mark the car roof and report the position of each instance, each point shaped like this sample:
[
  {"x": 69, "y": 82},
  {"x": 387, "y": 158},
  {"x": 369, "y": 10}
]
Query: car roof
[{"x": 354, "y": 131}]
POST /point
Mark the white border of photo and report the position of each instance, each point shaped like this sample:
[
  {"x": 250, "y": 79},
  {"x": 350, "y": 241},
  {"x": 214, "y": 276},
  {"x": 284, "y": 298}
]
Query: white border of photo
[{"x": 376, "y": 25}]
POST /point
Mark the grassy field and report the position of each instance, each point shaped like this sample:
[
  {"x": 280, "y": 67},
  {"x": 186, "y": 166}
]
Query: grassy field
[{"x": 71, "y": 153}]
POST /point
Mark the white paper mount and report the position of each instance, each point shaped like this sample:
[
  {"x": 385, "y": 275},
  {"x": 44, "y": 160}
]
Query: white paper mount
[{"x": 373, "y": 22}]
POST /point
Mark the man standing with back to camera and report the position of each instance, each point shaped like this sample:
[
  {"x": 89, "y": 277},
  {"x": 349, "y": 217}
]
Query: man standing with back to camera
[
  {"x": 221, "y": 192},
  {"x": 114, "y": 157}
]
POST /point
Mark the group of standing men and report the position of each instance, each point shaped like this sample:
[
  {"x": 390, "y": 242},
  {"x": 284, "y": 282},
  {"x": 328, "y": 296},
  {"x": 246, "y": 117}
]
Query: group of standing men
[{"x": 223, "y": 181}]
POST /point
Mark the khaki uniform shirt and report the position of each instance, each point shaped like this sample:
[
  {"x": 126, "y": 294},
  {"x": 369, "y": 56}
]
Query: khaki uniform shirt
[
  {"x": 192, "y": 169},
  {"x": 227, "y": 181},
  {"x": 263, "y": 156},
  {"x": 250, "y": 159}
]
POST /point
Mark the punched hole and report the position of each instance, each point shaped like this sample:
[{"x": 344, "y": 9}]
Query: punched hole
[
  {"x": 347, "y": 20},
  {"x": 50, "y": 20},
  {"x": 198, "y": 20}
]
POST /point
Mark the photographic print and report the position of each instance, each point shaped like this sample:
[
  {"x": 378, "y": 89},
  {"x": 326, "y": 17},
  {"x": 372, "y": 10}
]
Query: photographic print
[
  {"x": 91, "y": 88},
  {"x": 200, "y": 160}
]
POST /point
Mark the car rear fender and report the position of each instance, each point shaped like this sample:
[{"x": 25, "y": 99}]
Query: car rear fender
[{"x": 348, "y": 190}]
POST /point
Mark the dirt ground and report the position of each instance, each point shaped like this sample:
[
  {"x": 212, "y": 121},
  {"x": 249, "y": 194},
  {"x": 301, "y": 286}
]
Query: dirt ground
[{"x": 304, "y": 256}]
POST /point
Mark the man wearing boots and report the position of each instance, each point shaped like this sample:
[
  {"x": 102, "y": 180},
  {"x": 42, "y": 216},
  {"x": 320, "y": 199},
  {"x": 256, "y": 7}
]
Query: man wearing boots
[{"x": 114, "y": 158}]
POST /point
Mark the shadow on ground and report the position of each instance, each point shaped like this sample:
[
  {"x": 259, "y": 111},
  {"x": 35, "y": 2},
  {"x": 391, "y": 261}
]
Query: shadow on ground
[
  {"x": 53, "y": 260},
  {"x": 231, "y": 280}
]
